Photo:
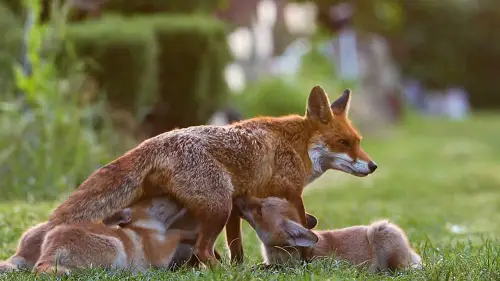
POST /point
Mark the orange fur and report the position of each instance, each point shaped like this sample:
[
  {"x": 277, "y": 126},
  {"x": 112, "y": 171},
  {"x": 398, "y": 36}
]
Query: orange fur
[
  {"x": 142, "y": 240},
  {"x": 28, "y": 249},
  {"x": 204, "y": 167},
  {"x": 380, "y": 246}
]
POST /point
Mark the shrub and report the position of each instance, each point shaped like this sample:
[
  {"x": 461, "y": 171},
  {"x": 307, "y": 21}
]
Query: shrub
[
  {"x": 121, "y": 57},
  {"x": 175, "y": 61},
  {"x": 192, "y": 54},
  {"x": 162, "y": 6},
  {"x": 45, "y": 149},
  {"x": 273, "y": 97}
]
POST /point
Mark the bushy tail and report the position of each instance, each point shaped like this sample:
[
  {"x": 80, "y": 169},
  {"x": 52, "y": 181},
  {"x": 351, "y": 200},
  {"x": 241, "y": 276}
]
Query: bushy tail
[
  {"x": 377, "y": 228},
  {"x": 107, "y": 191}
]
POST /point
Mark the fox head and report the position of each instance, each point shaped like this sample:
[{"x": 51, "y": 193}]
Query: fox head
[
  {"x": 335, "y": 142},
  {"x": 276, "y": 221}
]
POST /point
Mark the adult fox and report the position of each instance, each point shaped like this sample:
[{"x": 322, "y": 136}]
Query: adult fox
[{"x": 205, "y": 167}]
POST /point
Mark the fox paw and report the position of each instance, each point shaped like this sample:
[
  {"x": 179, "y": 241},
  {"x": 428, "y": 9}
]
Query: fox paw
[
  {"x": 52, "y": 269},
  {"x": 7, "y": 267}
]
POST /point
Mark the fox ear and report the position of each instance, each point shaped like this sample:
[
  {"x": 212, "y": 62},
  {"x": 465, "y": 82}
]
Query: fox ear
[
  {"x": 312, "y": 221},
  {"x": 299, "y": 235},
  {"x": 122, "y": 217},
  {"x": 340, "y": 106},
  {"x": 318, "y": 105}
]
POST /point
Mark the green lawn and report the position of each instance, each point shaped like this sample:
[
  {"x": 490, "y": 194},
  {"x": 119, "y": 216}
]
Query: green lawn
[{"x": 439, "y": 180}]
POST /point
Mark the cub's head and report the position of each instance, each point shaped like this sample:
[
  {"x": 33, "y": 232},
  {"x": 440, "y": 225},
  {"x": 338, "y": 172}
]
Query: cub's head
[
  {"x": 146, "y": 212},
  {"x": 335, "y": 143}
]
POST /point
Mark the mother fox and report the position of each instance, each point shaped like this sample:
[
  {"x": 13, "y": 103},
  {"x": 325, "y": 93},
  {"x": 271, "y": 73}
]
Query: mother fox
[{"x": 205, "y": 167}]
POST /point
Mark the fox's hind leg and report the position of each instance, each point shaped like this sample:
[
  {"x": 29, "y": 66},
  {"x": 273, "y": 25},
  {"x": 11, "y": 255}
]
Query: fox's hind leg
[
  {"x": 233, "y": 236},
  {"x": 205, "y": 189}
]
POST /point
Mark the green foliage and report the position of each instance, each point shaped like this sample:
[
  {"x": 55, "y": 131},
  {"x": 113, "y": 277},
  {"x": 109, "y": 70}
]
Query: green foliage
[
  {"x": 121, "y": 56},
  {"x": 15, "y": 6},
  {"x": 174, "y": 62},
  {"x": 11, "y": 30},
  {"x": 45, "y": 149},
  {"x": 129, "y": 7},
  {"x": 272, "y": 97},
  {"x": 192, "y": 51}
]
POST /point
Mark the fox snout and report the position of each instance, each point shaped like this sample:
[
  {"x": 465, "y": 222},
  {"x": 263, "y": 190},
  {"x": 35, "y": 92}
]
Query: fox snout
[{"x": 372, "y": 166}]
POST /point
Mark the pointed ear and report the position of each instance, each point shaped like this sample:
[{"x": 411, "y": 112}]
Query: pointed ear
[
  {"x": 318, "y": 105},
  {"x": 312, "y": 221},
  {"x": 122, "y": 217},
  {"x": 299, "y": 235},
  {"x": 340, "y": 107}
]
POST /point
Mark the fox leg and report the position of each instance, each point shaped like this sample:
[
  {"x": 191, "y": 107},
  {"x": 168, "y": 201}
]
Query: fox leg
[
  {"x": 205, "y": 189},
  {"x": 292, "y": 193},
  {"x": 290, "y": 186},
  {"x": 233, "y": 236},
  {"x": 211, "y": 226},
  {"x": 299, "y": 205}
]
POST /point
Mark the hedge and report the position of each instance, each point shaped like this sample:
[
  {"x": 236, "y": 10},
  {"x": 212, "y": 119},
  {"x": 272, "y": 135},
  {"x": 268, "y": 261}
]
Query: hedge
[
  {"x": 192, "y": 54},
  {"x": 129, "y": 7},
  {"x": 121, "y": 57},
  {"x": 173, "y": 62}
]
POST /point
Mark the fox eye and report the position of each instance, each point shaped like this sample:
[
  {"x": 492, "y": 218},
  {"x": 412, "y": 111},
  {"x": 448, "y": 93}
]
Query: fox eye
[{"x": 344, "y": 143}]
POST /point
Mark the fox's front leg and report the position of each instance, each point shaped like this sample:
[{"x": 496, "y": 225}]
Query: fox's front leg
[
  {"x": 289, "y": 180},
  {"x": 297, "y": 201},
  {"x": 233, "y": 236}
]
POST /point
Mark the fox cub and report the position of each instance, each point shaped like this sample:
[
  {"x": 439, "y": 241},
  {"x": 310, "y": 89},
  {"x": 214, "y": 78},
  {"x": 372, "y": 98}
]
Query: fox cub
[
  {"x": 380, "y": 246},
  {"x": 135, "y": 239}
]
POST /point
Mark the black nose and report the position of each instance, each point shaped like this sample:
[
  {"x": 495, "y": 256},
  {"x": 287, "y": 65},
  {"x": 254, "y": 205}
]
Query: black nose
[{"x": 372, "y": 166}]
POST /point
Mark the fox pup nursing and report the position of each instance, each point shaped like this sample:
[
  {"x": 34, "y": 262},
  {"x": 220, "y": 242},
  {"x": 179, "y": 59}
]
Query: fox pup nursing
[
  {"x": 142, "y": 240},
  {"x": 205, "y": 167},
  {"x": 380, "y": 246}
]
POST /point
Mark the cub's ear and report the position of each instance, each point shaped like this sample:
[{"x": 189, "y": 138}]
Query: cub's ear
[
  {"x": 341, "y": 106},
  {"x": 318, "y": 106},
  {"x": 312, "y": 221},
  {"x": 120, "y": 218},
  {"x": 299, "y": 235}
]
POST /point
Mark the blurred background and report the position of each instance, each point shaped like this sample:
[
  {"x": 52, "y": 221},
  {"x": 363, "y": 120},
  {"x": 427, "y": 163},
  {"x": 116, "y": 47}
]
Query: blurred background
[{"x": 82, "y": 81}]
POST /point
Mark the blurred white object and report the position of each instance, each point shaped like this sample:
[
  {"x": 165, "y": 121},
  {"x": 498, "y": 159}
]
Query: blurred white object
[
  {"x": 240, "y": 43},
  {"x": 218, "y": 119},
  {"x": 235, "y": 77},
  {"x": 348, "y": 56},
  {"x": 289, "y": 63},
  {"x": 300, "y": 18},
  {"x": 266, "y": 12},
  {"x": 263, "y": 35},
  {"x": 457, "y": 103}
]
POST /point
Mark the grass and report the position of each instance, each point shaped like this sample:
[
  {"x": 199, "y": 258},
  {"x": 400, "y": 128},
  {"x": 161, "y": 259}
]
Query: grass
[{"x": 437, "y": 179}]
